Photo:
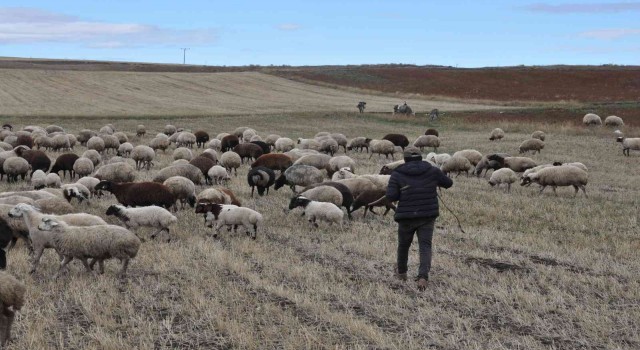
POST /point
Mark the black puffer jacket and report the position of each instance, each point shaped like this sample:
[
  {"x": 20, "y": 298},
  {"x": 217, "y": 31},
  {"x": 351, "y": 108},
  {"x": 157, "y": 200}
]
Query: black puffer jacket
[{"x": 414, "y": 185}]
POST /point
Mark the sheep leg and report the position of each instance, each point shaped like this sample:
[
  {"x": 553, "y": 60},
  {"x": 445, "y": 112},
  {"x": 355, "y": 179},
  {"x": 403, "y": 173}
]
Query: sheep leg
[
  {"x": 12, "y": 243},
  {"x": 36, "y": 260},
  {"x": 584, "y": 190},
  {"x": 86, "y": 265},
  {"x": 542, "y": 187},
  {"x": 252, "y": 188},
  {"x": 370, "y": 155},
  {"x": 125, "y": 264},
  {"x": 554, "y": 190},
  {"x": 387, "y": 211},
  {"x": 6, "y": 321},
  {"x": 508, "y": 188},
  {"x": 101, "y": 266},
  {"x": 67, "y": 260}
]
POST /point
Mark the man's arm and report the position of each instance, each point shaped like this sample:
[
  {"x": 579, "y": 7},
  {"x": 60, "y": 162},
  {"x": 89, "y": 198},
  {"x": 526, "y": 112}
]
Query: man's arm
[
  {"x": 393, "y": 189},
  {"x": 443, "y": 180}
]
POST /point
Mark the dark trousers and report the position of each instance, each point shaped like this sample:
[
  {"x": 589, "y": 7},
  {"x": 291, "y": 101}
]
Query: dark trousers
[{"x": 423, "y": 227}]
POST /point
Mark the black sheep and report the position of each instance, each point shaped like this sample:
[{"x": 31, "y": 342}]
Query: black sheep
[
  {"x": 397, "y": 139},
  {"x": 372, "y": 198},
  {"x": 64, "y": 163},
  {"x": 431, "y": 131},
  {"x": 139, "y": 194},
  {"x": 37, "y": 159},
  {"x": 266, "y": 149},
  {"x": 24, "y": 140},
  {"x": 229, "y": 142},
  {"x": 261, "y": 177},
  {"x": 201, "y": 138},
  {"x": 6, "y": 236},
  {"x": 347, "y": 196}
]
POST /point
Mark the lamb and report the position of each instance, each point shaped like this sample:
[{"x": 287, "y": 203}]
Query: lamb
[
  {"x": 284, "y": 144},
  {"x": 372, "y": 198},
  {"x": 472, "y": 155},
  {"x": 273, "y": 161},
  {"x": 262, "y": 178},
  {"x": 32, "y": 217},
  {"x": 340, "y": 162},
  {"x": 14, "y": 167},
  {"x": 92, "y": 154},
  {"x": 53, "y": 180},
  {"x": 201, "y": 138},
  {"x": 231, "y": 161},
  {"x": 613, "y": 121},
  {"x": 182, "y": 153},
  {"x": 218, "y": 174},
  {"x": 187, "y": 170},
  {"x": 629, "y": 144},
  {"x": 99, "y": 242},
  {"x": 457, "y": 164},
  {"x": 141, "y": 130},
  {"x": 538, "y": 135},
  {"x": 558, "y": 176},
  {"x": 397, "y": 139},
  {"x": 151, "y": 216},
  {"x": 427, "y": 141},
  {"x": 229, "y": 142},
  {"x": 11, "y": 300},
  {"x": 96, "y": 143},
  {"x": 496, "y": 134},
  {"x": 381, "y": 147},
  {"x": 531, "y": 145},
  {"x": 136, "y": 194},
  {"x": 322, "y": 211},
  {"x": 83, "y": 167},
  {"x": 503, "y": 176},
  {"x": 65, "y": 164},
  {"x": 218, "y": 195},
  {"x": 321, "y": 193},
  {"x": 125, "y": 149},
  {"x": 432, "y": 131},
  {"x": 183, "y": 189},
  {"x": 309, "y": 144},
  {"x": 170, "y": 129},
  {"x": 591, "y": 119},
  {"x": 39, "y": 179},
  {"x": 159, "y": 143},
  {"x": 299, "y": 175},
  {"x": 204, "y": 164},
  {"x": 143, "y": 156},
  {"x": 116, "y": 172},
  {"x": 230, "y": 215}
]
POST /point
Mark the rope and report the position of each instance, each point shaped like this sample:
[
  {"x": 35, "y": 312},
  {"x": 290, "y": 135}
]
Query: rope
[{"x": 451, "y": 211}]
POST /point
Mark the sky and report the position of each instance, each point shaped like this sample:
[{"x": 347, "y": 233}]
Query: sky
[{"x": 476, "y": 33}]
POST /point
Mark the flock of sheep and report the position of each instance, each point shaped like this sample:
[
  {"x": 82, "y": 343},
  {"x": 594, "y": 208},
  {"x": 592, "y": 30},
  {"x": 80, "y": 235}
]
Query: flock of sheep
[{"x": 325, "y": 185}]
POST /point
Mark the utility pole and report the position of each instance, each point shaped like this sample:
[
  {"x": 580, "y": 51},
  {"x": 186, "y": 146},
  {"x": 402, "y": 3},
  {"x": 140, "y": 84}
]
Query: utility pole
[{"x": 184, "y": 54}]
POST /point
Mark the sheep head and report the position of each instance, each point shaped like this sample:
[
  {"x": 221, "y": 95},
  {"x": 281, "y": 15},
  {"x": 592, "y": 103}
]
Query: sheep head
[{"x": 48, "y": 224}]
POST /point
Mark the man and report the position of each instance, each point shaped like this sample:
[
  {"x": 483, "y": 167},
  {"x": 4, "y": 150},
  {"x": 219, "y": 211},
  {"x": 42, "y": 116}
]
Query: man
[{"x": 414, "y": 185}]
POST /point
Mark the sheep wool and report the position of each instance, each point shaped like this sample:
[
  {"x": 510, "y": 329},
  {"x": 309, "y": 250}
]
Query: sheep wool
[
  {"x": 11, "y": 296},
  {"x": 557, "y": 176},
  {"x": 531, "y": 145},
  {"x": 322, "y": 211},
  {"x": 38, "y": 179},
  {"x": 231, "y": 161},
  {"x": 116, "y": 172},
  {"x": 382, "y": 147},
  {"x": 322, "y": 194},
  {"x": 613, "y": 121},
  {"x": 183, "y": 189},
  {"x": 538, "y": 135},
  {"x": 496, "y": 134},
  {"x": 472, "y": 155},
  {"x": 83, "y": 166},
  {"x": 591, "y": 119},
  {"x": 503, "y": 176},
  {"x": 629, "y": 144},
  {"x": 250, "y": 219},
  {"x": 427, "y": 141},
  {"x": 457, "y": 164},
  {"x": 53, "y": 180},
  {"x": 150, "y": 216}
]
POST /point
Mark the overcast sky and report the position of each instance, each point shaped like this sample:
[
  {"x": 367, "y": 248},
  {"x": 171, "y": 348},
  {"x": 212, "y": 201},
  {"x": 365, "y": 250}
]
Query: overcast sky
[{"x": 456, "y": 33}]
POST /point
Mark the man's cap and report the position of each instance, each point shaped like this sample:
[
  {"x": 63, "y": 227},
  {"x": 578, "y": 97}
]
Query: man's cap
[{"x": 411, "y": 154}]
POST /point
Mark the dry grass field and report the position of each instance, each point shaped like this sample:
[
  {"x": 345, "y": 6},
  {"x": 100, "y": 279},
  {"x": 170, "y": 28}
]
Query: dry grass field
[
  {"x": 532, "y": 272},
  {"x": 37, "y": 92}
]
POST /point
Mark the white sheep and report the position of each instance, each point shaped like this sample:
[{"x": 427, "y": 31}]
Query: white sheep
[
  {"x": 629, "y": 144},
  {"x": 151, "y": 216},
  {"x": 14, "y": 167},
  {"x": 214, "y": 144},
  {"x": 160, "y": 143},
  {"x": 284, "y": 144},
  {"x": 381, "y": 147},
  {"x": 125, "y": 149},
  {"x": 472, "y": 155},
  {"x": 318, "y": 161},
  {"x": 53, "y": 180},
  {"x": 76, "y": 190},
  {"x": 11, "y": 300},
  {"x": 41, "y": 240},
  {"x": 613, "y": 121},
  {"x": 90, "y": 183},
  {"x": 141, "y": 130},
  {"x": 457, "y": 164},
  {"x": 438, "y": 159},
  {"x": 327, "y": 194},
  {"x": 183, "y": 189},
  {"x": 538, "y": 135},
  {"x": 563, "y": 175},
  {"x": 96, "y": 143},
  {"x": 503, "y": 176},
  {"x": 218, "y": 174},
  {"x": 92, "y": 154},
  {"x": 531, "y": 145},
  {"x": 343, "y": 173},
  {"x": 247, "y": 135},
  {"x": 182, "y": 153},
  {"x": 427, "y": 141},
  {"x": 99, "y": 242},
  {"x": 231, "y": 161},
  {"x": 322, "y": 211},
  {"x": 358, "y": 185},
  {"x": 116, "y": 172},
  {"x": 591, "y": 119},
  {"x": 309, "y": 144},
  {"x": 38, "y": 179},
  {"x": 143, "y": 156},
  {"x": 496, "y": 134},
  {"x": 230, "y": 215},
  {"x": 110, "y": 143}
]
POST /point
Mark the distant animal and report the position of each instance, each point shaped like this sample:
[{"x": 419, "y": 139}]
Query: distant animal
[
  {"x": 361, "y": 106},
  {"x": 402, "y": 109},
  {"x": 434, "y": 114}
]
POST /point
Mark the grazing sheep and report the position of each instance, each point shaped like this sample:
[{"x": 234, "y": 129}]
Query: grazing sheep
[
  {"x": 38, "y": 179},
  {"x": 90, "y": 183},
  {"x": 343, "y": 173},
  {"x": 108, "y": 129},
  {"x": 271, "y": 140},
  {"x": 322, "y": 211},
  {"x": 370, "y": 199},
  {"x": 92, "y": 154},
  {"x": 116, "y": 172},
  {"x": 496, "y": 134},
  {"x": 231, "y": 161},
  {"x": 14, "y": 167},
  {"x": 11, "y": 300},
  {"x": 358, "y": 185},
  {"x": 201, "y": 138},
  {"x": 318, "y": 161},
  {"x": 427, "y": 141},
  {"x": 472, "y": 155},
  {"x": 83, "y": 167},
  {"x": 432, "y": 131},
  {"x": 65, "y": 164},
  {"x": 189, "y": 171},
  {"x": 84, "y": 135},
  {"x": 218, "y": 195},
  {"x": 204, "y": 164},
  {"x": 503, "y": 176},
  {"x": 143, "y": 156},
  {"x": 182, "y": 153},
  {"x": 183, "y": 189},
  {"x": 159, "y": 143},
  {"x": 381, "y": 147},
  {"x": 125, "y": 149},
  {"x": 321, "y": 193},
  {"x": 341, "y": 140},
  {"x": 457, "y": 164},
  {"x": 438, "y": 159},
  {"x": 54, "y": 205},
  {"x": 485, "y": 163},
  {"x": 141, "y": 130},
  {"x": 309, "y": 144},
  {"x": 229, "y": 142},
  {"x": 629, "y": 144},
  {"x": 340, "y": 162},
  {"x": 262, "y": 178},
  {"x": 186, "y": 139},
  {"x": 517, "y": 164},
  {"x": 75, "y": 190},
  {"x": 345, "y": 192},
  {"x": 297, "y": 153},
  {"x": 96, "y": 143},
  {"x": 613, "y": 121},
  {"x": 110, "y": 143},
  {"x": 558, "y": 176},
  {"x": 215, "y": 145},
  {"x": 247, "y": 135},
  {"x": 150, "y": 216},
  {"x": 329, "y": 146},
  {"x": 397, "y": 139},
  {"x": 538, "y": 135},
  {"x": 284, "y": 144},
  {"x": 591, "y": 119},
  {"x": 230, "y": 215},
  {"x": 24, "y": 140},
  {"x": 248, "y": 151},
  {"x": 273, "y": 161},
  {"x": 218, "y": 175},
  {"x": 531, "y": 145},
  {"x": 122, "y": 137},
  {"x": 53, "y": 180},
  {"x": 60, "y": 142},
  {"x": 139, "y": 194},
  {"x": 99, "y": 242},
  {"x": 299, "y": 175},
  {"x": 169, "y": 130}
]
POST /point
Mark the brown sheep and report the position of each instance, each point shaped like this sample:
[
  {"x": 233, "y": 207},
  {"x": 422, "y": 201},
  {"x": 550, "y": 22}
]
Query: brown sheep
[
  {"x": 397, "y": 139},
  {"x": 248, "y": 150},
  {"x": 229, "y": 142},
  {"x": 273, "y": 161}
]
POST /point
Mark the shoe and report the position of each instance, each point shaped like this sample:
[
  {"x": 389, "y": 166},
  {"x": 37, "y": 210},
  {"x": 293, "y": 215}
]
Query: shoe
[
  {"x": 401, "y": 276},
  {"x": 422, "y": 283}
]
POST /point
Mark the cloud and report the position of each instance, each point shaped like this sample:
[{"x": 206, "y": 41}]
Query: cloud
[
  {"x": 288, "y": 26},
  {"x": 584, "y": 8},
  {"x": 29, "y": 25},
  {"x": 609, "y": 34}
]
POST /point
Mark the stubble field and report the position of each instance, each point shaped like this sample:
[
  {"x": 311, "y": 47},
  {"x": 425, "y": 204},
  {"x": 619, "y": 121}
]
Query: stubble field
[{"x": 531, "y": 272}]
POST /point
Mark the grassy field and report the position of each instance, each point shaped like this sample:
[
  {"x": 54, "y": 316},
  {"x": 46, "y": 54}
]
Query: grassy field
[
  {"x": 532, "y": 272},
  {"x": 34, "y": 92}
]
